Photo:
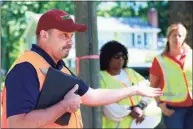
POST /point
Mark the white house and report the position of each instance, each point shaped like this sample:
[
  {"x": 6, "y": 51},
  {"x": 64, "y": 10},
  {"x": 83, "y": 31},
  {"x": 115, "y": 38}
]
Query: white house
[{"x": 133, "y": 32}]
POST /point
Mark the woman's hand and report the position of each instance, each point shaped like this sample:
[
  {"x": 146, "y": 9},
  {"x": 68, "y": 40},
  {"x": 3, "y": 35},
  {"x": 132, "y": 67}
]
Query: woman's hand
[
  {"x": 137, "y": 113},
  {"x": 166, "y": 111}
]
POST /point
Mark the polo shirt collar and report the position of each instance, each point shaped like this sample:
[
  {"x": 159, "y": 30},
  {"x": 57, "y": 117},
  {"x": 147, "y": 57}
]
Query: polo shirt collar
[{"x": 45, "y": 55}]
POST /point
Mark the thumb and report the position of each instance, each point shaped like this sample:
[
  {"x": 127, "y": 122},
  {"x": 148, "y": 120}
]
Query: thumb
[{"x": 75, "y": 88}]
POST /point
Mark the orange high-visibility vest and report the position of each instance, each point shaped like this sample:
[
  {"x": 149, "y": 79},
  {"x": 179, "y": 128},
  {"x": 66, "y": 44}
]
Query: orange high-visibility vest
[
  {"x": 177, "y": 86},
  {"x": 38, "y": 62}
]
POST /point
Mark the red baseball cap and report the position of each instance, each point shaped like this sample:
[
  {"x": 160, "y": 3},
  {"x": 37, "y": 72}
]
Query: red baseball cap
[{"x": 58, "y": 19}]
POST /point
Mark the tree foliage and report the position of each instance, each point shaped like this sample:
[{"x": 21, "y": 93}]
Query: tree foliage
[
  {"x": 122, "y": 9},
  {"x": 163, "y": 10},
  {"x": 181, "y": 12},
  {"x": 14, "y": 22}
]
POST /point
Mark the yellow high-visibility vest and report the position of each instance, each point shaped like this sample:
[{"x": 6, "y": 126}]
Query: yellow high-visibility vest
[
  {"x": 177, "y": 81},
  {"x": 109, "y": 82}
]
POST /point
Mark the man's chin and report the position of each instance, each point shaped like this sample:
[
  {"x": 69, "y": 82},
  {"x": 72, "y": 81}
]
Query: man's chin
[{"x": 66, "y": 55}]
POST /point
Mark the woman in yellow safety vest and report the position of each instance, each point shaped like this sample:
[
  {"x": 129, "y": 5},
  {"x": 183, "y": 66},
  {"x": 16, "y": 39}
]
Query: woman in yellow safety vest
[
  {"x": 172, "y": 72},
  {"x": 114, "y": 75}
]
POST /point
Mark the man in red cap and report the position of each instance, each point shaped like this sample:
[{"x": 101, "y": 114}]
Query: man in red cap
[{"x": 25, "y": 79}]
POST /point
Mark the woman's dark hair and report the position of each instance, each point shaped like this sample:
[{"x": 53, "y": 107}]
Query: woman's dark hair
[{"x": 108, "y": 50}]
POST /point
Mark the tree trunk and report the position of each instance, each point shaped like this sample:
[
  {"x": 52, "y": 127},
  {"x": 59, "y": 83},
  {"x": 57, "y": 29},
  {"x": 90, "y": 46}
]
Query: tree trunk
[{"x": 182, "y": 11}]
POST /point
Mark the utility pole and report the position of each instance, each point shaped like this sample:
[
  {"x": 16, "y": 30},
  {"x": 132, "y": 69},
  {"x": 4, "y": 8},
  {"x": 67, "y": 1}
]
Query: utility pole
[{"x": 87, "y": 45}]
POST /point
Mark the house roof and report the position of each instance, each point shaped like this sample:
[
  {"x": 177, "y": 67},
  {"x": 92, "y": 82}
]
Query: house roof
[
  {"x": 115, "y": 24},
  {"x": 128, "y": 24}
]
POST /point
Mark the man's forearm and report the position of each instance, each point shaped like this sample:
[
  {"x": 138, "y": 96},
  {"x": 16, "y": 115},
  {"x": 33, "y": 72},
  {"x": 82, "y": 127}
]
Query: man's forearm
[
  {"x": 38, "y": 118},
  {"x": 107, "y": 96}
]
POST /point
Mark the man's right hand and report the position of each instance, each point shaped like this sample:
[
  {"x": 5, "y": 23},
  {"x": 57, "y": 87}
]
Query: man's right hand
[
  {"x": 148, "y": 91},
  {"x": 166, "y": 111},
  {"x": 72, "y": 100}
]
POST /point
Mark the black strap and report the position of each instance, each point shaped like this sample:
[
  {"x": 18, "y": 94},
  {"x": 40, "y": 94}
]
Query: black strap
[{"x": 70, "y": 71}]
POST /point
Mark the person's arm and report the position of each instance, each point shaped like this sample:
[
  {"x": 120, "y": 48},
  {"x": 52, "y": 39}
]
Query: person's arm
[
  {"x": 37, "y": 118},
  {"x": 40, "y": 118},
  {"x": 154, "y": 83},
  {"x": 22, "y": 91},
  {"x": 155, "y": 74},
  {"x": 99, "y": 97}
]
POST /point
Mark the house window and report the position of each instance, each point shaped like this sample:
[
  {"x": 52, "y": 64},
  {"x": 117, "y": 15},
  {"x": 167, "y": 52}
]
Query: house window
[
  {"x": 145, "y": 40},
  {"x": 139, "y": 40},
  {"x": 133, "y": 39},
  {"x": 149, "y": 40}
]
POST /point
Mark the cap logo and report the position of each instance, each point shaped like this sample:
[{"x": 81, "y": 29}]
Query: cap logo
[{"x": 65, "y": 17}]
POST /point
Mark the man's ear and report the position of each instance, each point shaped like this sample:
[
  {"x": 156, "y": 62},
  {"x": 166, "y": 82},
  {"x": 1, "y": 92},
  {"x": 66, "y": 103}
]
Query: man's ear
[{"x": 43, "y": 34}]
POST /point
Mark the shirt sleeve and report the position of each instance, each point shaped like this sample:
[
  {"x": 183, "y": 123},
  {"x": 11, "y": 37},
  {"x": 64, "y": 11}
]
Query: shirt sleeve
[
  {"x": 83, "y": 88},
  {"x": 22, "y": 88},
  {"x": 155, "y": 68}
]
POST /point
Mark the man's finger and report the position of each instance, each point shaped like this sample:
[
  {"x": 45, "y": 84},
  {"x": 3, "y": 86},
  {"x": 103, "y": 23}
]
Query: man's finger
[
  {"x": 75, "y": 88},
  {"x": 157, "y": 91}
]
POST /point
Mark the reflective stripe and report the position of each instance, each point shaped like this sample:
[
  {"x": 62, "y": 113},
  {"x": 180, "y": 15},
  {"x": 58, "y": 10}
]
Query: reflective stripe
[{"x": 172, "y": 94}]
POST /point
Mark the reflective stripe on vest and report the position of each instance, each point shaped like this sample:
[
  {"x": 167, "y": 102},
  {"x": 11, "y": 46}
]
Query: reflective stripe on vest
[
  {"x": 38, "y": 62},
  {"x": 175, "y": 86}
]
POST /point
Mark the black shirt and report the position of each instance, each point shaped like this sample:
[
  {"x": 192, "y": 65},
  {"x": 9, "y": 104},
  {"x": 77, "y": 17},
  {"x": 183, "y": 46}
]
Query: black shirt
[{"x": 22, "y": 85}]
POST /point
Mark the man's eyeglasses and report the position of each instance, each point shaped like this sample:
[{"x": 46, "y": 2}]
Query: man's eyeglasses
[{"x": 117, "y": 56}]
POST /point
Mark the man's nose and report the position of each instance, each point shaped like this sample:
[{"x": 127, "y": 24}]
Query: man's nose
[{"x": 70, "y": 41}]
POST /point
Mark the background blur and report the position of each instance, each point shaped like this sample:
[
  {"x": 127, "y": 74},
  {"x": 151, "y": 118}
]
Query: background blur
[{"x": 140, "y": 26}]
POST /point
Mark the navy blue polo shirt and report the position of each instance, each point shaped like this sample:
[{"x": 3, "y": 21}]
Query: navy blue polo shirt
[{"x": 22, "y": 85}]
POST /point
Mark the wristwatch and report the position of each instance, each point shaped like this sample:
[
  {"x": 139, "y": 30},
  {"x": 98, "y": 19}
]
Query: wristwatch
[{"x": 141, "y": 105}]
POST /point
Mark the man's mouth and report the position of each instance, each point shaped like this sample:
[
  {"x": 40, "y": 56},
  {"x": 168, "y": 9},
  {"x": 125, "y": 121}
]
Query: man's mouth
[{"x": 67, "y": 48}]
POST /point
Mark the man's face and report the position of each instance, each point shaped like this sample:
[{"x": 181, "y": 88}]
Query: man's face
[{"x": 60, "y": 43}]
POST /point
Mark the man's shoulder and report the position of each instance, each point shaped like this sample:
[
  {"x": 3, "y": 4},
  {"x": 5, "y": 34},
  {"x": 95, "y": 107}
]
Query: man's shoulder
[{"x": 20, "y": 68}]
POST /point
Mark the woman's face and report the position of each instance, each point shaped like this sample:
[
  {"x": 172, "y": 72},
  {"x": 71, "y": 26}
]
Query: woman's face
[
  {"x": 117, "y": 61},
  {"x": 176, "y": 39}
]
